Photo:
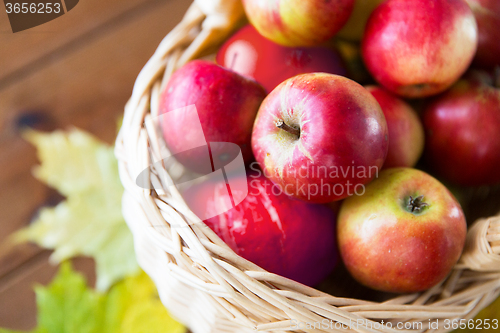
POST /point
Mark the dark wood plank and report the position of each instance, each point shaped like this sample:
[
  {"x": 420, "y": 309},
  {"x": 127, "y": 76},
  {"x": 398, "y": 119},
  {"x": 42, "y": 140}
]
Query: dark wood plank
[
  {"x": 35, "y": 47},
  {"x": 87, "y": 89}
]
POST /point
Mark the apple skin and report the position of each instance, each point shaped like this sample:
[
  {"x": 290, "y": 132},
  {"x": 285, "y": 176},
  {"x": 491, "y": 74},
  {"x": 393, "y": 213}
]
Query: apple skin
[
  {"x": 250, "y": 54},
  {"x": 487, "y": 13},
  {"x": 355, "y": 27},
  {"x": 406, "y": 133},
  {"x": 462, "y": 126},
  {"x": 298, "y": 22},
  {"x": 386, "y": 247},
  {"x": 282, "y": 235},
  {"x": 342, "y": 131},
  {"x": 227, "y": 104},
  {"x": 416, "y": 55}
]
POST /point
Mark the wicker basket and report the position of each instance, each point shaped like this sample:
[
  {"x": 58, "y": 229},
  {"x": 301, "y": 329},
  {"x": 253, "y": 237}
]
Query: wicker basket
[{"x": 205, "y": 284}]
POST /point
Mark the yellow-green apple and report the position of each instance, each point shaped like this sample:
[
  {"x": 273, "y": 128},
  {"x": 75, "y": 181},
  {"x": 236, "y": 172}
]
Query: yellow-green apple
[
  {"x": 406, "y": 133},
  {"x": 487, "y": 13},
  {"x": 355, "y": 27},
  {"x": 418, "y": 48},
  {"x": 226, "y": 105},
  {"x": 404, "y": 234},
  {"x": 285, "y": 236},
  {"x": 462, "y": 132},
  {"x": 252, "y": 55},
  {"x": 320, "y": 137},
  {"x": 298, "y": 22}
]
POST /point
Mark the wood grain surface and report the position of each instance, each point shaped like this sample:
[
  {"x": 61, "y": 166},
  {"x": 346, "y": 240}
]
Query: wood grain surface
[{"x": 77, "y": 70}]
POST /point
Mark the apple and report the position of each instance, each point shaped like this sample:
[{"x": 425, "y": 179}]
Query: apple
[
  {"x": 250, "y": 54},
  {"x": 487, "y": 13},
  {"x": 298, "y": 22},
  {"x": 406, "y": 133},
  {"x": 226, "y": 104},
  {"x": 320, "y": 137},
  {"x": 462, "y": 132},
  {"x": 285, "y": 236},
  {"x": 419, "y": 48},
  {"x": 355, "y": 27},
  {"x": 404, "y": 234}
]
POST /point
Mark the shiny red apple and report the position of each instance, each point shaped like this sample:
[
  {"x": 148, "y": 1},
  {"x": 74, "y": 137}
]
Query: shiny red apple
[
  {"x": 285, "y": 236},
  {"x": 406, "y": 133},
  {"x": 487, "y": 13},
  {"x": 226, "y": 105},
  {"x": 250, "y": 54},
  {"x": 298, "y": 22},
  {"x": 404, "y": 234},
  {"x": 320, "y": 137},
  {"x": 418, "y": 48},
  {"x": 462, "y": 132}
]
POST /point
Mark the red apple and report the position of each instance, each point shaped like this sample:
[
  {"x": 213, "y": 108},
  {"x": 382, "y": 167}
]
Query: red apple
[
  {"x": 320, "y": 137},
  {"x": 418, "y": 48},
  {"x": 406, "y": 133},
  {"x": 487, "y": 13},
  {"x": 298, "y": 22},
  {"x": 462, "y": 133},
  {"x": 226, "y": 105},
  {"x": 285, "y": 236},
  {"x": 404, "y": 234},
  {"x": 250, "y": 54}
]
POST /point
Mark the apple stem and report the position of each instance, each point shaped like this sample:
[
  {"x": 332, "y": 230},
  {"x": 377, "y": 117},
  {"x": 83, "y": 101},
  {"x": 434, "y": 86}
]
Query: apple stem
[
  {"x": 281, "y": 124},
  {"x": 416, "y": 205},
  {"x": 496, "y": 77}
]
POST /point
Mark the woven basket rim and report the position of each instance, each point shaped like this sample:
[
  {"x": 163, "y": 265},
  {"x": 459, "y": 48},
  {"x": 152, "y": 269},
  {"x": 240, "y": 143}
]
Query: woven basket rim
[{"x": 242, "y": 292}]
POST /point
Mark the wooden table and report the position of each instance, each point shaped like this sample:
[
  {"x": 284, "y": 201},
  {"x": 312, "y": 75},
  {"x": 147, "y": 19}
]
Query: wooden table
[{"x": 77, "y": 70}]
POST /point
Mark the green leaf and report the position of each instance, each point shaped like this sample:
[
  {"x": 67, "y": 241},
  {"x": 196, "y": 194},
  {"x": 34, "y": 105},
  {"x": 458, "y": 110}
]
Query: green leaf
[
  {"x": 68, "y": 305},
  {"x": 90, "y": 221}
]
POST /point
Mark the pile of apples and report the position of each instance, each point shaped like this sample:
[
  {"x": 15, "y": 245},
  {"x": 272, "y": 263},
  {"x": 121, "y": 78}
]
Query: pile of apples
[{"x": 314, "y": 140}]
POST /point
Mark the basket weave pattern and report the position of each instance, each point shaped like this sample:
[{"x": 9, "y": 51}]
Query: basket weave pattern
[{"x": 203, "y": 282}]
